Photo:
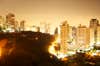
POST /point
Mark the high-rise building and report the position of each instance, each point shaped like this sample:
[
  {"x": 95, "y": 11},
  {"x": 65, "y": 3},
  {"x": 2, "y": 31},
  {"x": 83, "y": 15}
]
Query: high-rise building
[
  {"x": 94, "y": 23},
  {"x": 45, "y": 27},
  {"x": 10, "y": 22},
  {"x": 72, "y": 39},
  {"x": 38, "y": 29},
  {"x": 10, "y": 19},
  {"x": 98, "y": 36},
  {"x": 82, "y": 37},
  {"x": 56, "y": 32},
  {"x": 1, "y": 22},
  {"x": 92, "y": 35},
  {"x": 64, "y": 35},
  {"x": 22, "y": 25},
  {"x": 16, "y": 26}
]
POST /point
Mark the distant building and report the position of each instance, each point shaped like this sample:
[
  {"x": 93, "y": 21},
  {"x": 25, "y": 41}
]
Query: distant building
[
  {"x": 22, "y": 25},
  {"x": 1, "y": 22},
  {"x": 98, "y": 36},
  {"x": 10, "y": 19},
  {"x": 74, "y": 33},
  {"x": 64, "y": 35},
  {"x": 11, "y": 22},
  {"x": 47, "y": 28},
  {"x": 35, "y": 28},
  {"x": 94, "y": 23},
  {"x": 38, "y": 29},
  {"x": 44, "y": 27},
  {"x": 56, "y": 32},
  {"x": 82, "y": 37},
  {"x": 72, "y": 39},
  {"x": 92, "y": 35}
]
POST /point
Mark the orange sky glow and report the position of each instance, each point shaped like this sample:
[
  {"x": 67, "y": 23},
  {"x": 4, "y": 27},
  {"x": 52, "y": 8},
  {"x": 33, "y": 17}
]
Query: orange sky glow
[{"x": 52, "y": 11}]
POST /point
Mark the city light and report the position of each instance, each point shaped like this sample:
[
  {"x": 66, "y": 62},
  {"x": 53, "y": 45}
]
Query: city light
[
  {"x": 61, "y": 56},
  {"x": 52, "y": 49},
  {"x": 0, "y": 51},
  {"x": 57, "y": 52},
  {"x": 49, "y": 33},
  {"x": 98, "y": 43}
]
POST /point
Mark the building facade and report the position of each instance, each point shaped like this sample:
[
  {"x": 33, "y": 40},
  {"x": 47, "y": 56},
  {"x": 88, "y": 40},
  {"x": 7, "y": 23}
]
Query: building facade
[
  {"x": 72, "y": 39},
  {"x": 64, "y": 35},
  {"x": 98, "y": 36},
  {"x": 82, "y": 37},
  {"x": 94, "y": 27}
]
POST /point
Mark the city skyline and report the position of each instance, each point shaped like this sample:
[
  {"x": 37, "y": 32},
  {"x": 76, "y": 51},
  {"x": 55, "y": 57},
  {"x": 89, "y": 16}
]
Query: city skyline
[
  {"x": 52, "y": 11},
  {"x": 49, "y": 32},
  {"x": 9, "y": 22}
]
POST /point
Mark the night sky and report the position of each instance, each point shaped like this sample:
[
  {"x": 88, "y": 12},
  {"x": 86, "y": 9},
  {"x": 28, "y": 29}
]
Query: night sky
[{"x": 52, "y": 11}]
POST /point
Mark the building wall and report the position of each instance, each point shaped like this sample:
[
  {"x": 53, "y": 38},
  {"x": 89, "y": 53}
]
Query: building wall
[
  {"x": 92, "y": 40},
  {"x": 64, "y": 29},
  {"x": 82, "y": 37},
  {"x": 98, "y": 35},
  {"x": 94, "y": 31},
  {"x": 1, "y": 21},
  {"x": 72, "y": 39}
]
